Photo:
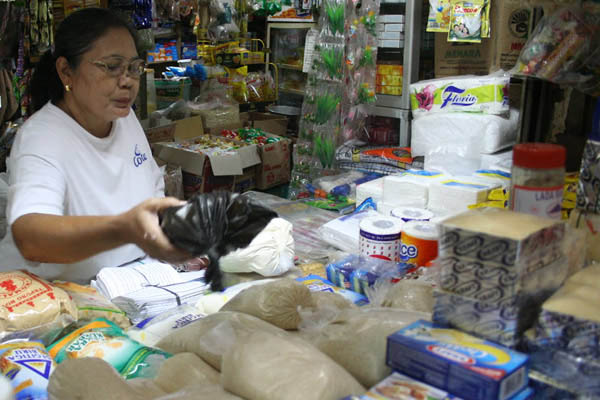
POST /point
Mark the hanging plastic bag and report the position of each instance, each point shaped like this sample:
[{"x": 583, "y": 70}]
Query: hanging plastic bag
[{"x": 215, "y": 224}]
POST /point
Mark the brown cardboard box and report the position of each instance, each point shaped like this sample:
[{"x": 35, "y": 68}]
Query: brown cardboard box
[
  {"x": 274, "y": 168},
  {"x": 510, "y": 25},
  {"x": 246, "y": 181},
  {"x": 270, "y": 123},
  {"x": 163, "y": 132},
  {"x": 206, "y": 173}
]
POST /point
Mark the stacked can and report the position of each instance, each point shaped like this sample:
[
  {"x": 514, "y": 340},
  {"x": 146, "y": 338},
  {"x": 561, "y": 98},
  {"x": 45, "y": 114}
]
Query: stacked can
[{"x": 491, "y": 280}]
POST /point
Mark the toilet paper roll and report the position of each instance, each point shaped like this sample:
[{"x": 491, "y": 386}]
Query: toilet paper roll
[
  {"x": 410, "y": 189},
  {"x": 380, "y": 238},
  {"x": 412, "y": 214},
  {"x": 419, "y": 242}
]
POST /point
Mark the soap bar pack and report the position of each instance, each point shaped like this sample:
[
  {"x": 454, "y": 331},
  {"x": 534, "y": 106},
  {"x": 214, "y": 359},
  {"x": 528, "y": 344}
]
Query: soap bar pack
[{"x": 451, "y": 360}]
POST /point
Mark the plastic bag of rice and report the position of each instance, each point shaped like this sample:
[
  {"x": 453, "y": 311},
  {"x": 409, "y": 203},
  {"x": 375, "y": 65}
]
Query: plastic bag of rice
[
  {"x": 357, "y": 338},
  {"x": 263, "y": 366},
  {"x": 212, "y": 335},
  {"x": 276, "y": 302}
]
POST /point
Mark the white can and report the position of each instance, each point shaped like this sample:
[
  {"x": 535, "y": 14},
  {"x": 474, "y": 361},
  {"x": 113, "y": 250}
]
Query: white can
[{"x": 380, "y": 238}]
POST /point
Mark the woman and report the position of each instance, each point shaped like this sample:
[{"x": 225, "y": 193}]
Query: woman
[{"x": 85, "y": 192}]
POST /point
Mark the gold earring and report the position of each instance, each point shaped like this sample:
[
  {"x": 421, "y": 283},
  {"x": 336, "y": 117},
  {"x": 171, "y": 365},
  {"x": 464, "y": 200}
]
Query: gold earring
[{"x": 67, "y": 88}]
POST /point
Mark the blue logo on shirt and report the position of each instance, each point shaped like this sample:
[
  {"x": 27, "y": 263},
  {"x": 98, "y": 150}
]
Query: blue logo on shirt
[{"x": 139, "y": 157}]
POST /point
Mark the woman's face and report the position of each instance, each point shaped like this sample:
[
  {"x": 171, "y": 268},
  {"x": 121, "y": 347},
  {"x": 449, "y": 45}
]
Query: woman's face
[{"x": 95, "y": 91}]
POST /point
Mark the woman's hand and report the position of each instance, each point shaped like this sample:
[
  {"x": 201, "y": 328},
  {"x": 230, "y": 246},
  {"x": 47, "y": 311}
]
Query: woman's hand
[{"x": 141, "y": 227}]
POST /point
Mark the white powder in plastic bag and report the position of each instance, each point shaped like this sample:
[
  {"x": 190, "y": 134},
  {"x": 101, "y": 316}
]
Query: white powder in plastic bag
[{"x": 263, "y": 366}]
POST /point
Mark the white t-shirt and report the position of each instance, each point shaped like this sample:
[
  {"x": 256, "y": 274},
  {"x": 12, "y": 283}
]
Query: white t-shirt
[{"x": 56, "y": 167}]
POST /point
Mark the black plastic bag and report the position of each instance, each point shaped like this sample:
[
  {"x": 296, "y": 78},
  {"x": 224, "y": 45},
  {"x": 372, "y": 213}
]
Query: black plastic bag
[{"x": 215, "y": 224}]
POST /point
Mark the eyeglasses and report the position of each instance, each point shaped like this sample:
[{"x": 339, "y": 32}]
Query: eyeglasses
[{"x": 116, "y": 67}]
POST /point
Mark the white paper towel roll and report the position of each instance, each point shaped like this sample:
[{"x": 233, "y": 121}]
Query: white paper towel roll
[
  {"x": 410, "y": 189},
  {"x": 411, "y": 214},
  {"x": 373, "y": 189},
  {"x": 380, "y": 238}
]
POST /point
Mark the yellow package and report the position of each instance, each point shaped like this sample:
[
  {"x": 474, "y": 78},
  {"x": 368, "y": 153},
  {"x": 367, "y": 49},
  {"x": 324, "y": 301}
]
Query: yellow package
[
  {"x": 485, "y": 19},
  {"x": 439, "y": 16},
  {"x": 465, "y": 21}
]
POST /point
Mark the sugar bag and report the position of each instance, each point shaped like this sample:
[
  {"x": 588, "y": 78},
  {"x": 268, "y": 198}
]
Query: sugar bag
[
  {"x": 89, "y": 379},
  {"x": 212, "y": 302},
  {"x": 183, "y": 370},
  {"x": 331, "y": 300},
  {"x": 270, "y": 253},
  {"x": 263, "y": 366},
  {"x": 151, "y": 330},
  {"x": 357, "y": 339},
  {"x": 410, "y": 295},
  {"x": 212, "y": 335},
  {"x": 275, "y": 302},
  {"x": 201, "y": 392}
]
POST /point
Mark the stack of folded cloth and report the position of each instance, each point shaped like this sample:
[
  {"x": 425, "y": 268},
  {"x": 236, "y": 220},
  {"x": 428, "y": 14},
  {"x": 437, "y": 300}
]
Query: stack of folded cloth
[{"x": 383, "y": 160}]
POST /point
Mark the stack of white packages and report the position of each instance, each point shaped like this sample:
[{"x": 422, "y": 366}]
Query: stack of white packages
[
  {"x": 458, "y": 193},
  {"x": 410, "y": 189},
  {"x": 154, "y": 300},
  {"x": 372, "y": 189}
]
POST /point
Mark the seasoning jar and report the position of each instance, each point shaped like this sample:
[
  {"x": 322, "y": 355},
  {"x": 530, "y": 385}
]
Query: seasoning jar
[{"x": 538, "y": 177}]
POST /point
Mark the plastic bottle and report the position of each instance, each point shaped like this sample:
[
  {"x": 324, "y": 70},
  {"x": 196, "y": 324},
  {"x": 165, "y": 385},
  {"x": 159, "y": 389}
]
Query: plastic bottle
[
  {"x": 588, "y": 189},
  {"x": 538, "y": 176}
]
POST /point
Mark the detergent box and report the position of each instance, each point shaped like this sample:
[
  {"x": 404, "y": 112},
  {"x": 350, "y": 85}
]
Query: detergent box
[{"x": 466, "y": 366}]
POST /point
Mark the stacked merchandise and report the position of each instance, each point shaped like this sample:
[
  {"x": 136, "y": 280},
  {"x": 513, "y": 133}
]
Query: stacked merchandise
[
  {"x": 389, "y": 79},
  {"x": 342, "y": 80},
  {"x": 390, "y": 29},
  {"x": 463, "y": 123}
]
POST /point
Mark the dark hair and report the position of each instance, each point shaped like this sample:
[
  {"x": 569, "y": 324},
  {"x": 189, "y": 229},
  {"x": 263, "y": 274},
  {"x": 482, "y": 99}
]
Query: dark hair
[{"x": 75, "y": 35}]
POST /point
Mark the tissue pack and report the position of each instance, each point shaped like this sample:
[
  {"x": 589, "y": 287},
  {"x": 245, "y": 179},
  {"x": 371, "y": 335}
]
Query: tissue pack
[
  {"x": 451, "y": 360},
  {"x": 372, "y": 189},
  {"x": 475, "y": 94},
  {"x": 458, "y": 194},
  {"x": 410, "y": 188}
]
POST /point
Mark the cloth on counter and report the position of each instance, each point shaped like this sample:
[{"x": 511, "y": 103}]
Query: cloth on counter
[
  {"x": 357, "y": 152},
  {"x": 150, "y": 301}
]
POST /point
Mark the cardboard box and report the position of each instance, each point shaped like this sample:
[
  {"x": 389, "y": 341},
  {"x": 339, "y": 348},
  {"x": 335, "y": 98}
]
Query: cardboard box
[
  {"x": 163, "y": 132},
  {"x": 275, "y": 163},
  {"x": 451, "y": 360},
  {"x": 246, "y": 181},
  {"x": 270, "y": 123},
  {"x": 510, "y": 25},
  {"x": 208, "y": 172}
]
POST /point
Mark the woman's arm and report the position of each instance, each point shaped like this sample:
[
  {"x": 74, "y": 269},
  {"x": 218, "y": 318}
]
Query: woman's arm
[{"x": 66, "y": 239}]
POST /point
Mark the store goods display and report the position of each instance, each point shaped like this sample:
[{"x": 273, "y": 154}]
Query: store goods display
[
  {"x": 151, "y": 330},
  {"x": 316, "y": 283},
  {"x": 356, "y": 338},
  {"x": 497, "y": 266},
  {"x": 464, "y": 365},
  {"x": 215, "y": 224},
  {"x": 31, "y": 304},
  {"x": 564, "y": 49},
  {"x": 476, "y": 94},
  {"x": 103, "y": 339},
  {"x": 419, "y": 243},
  {"x": 210, "y": 336},
  {"x": 28, "y": 366},
  {"x": 91, "y": 304},
  {"x": 358, "y": 272},
  {"x": 410, "y": 189},
  {"x": 399, "y": 157},
  {"x": 466, "y": 21},
  {"x": 439, "y": 16},
  {"x": 456, "y": 194},
  {"x": 278, "y": 302},
  {"x": 538, "y": 177},
  {"x": 389, "y": 77}
]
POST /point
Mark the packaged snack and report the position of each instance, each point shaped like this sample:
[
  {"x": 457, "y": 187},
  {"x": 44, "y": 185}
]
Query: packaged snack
[
  {"x": 28, "y": 366},
  {"x": 103, "y": 339},
  {"x": 91, "y": 304},
  {"x": 465, "y": 21},
  {"x": 439, "y": 16},
  {"x": 316, "y": 283},
  {"x": 27, "y": 302}
]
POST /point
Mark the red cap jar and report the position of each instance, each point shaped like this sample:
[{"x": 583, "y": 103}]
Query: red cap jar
[{"x": 538, "y": 176}]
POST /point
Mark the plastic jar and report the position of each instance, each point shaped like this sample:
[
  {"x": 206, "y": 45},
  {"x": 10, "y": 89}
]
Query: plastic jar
[{"x": 538, "y": 177}]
